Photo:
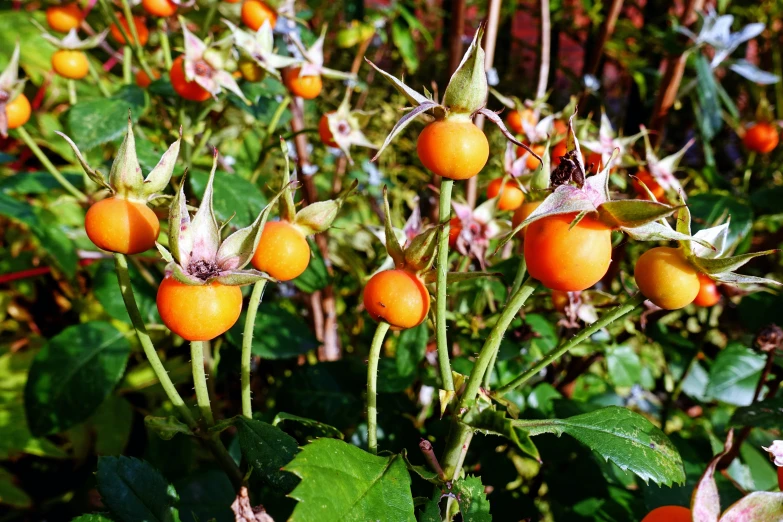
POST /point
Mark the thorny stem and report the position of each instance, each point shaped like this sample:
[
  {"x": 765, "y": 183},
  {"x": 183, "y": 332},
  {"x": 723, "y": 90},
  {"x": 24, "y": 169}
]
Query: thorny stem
[
  {"x": 200, "y": 381},
  {"x": 558, "y": 352},
  {"x": 372, "y": 386},
  {"x": 461, "y": 434},
  {"x": 213, "y": 443},
  {"x": 492, "y": 344},
  {"x": 28, "y": 140},
  {"x": 247, "y": 345},
  {"x": 521, "y": 271},
  {"x": 443, "y": 267},
  {"x": 123, "y": 277}
]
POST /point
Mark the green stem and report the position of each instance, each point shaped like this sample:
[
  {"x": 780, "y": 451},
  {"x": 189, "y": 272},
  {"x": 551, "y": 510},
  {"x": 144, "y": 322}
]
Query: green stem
[
  {"x": 213, "y": 443},
  {"x": 123, "y": 277},
  {"x": 127, "y": 63},
  {"x": 748, "y": 173},
  {"x": 97, "y": 79},
  {"x": 209, "y": 17},
  {"x": 203, "y": 140},
  {"x": 126, "y": 9},
  {"x": 372, "y": 386},
  {"x": 460, "y": 434},
  {"x": 492, "y": 344},
  {"x": 443, "y": 267},
  {"x": 518, "y": 278},
  {"x": 270, "y": 129},
  {"x": 78, "y": 194},
  {"x": 72, "y": 92},
  {"x": 200, "y": 381},
  {"x": 558, "y": 352},
  {"x": 247, "y": 345},
  {"x": 164, "y": 44}
]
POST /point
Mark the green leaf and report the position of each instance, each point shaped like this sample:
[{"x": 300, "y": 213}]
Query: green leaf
[
  {"x": 36, "y": 53},
  {"x": 766, "y": 414},
  {"x": 403, "y": 40},
  {"x": 37, "y": 183},
  {"x": 342, "y": 483},
  {"x": 134, "y": 491},
  {"x": 712, "y": 120},
  {"x": 626, "y": 438},
  {"x": 496, "y": 423},
  {"x": 97, "y": 517},
  {"x": 73, "y": 374},
  {"x": 411, "y": 348},
  {"x": 310, "y": 429},
  {"x": 278, "y": 333},
  {"x": 431, "y": 512},
  {"x": 112, "y": 424},
  {"x": 10, "y": 494},
  {"x": 708, "y": 208},
  {"x": 166, "y": 427},
  {"x": 735, "y": 374},
  {"x": 625, "y": 368},
  {"x": 44, "y": 225},
  {"x": 268, "y": 449},
  {"x": 473, "y": 502},
  {"x": 107, "y": 291},
  {"x": 101, "y": 120},
  {"x": 206, "y": 496},
  {"x": 233, "y": 196},
  {"x": 315, "y": 277}
]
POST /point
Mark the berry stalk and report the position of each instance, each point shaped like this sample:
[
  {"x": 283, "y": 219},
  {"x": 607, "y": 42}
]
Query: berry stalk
[
  {"x": 28, "y": 140},
  {"x": 444, "y": 215},
  {"x": 372, "y": 386},
  {"x": 247, "y": 343},
  {"x": 200, "y": 381},
  {"x": 615, "y": 314}
]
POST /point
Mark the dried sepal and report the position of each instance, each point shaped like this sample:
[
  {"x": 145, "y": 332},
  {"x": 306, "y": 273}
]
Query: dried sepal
[
  {"x": 411, "y": 95},
  {"x": 496, "y": 119},
  {"x": 242, "y": 277},
  {"x": 10, "y": 88},
  {"x": 630, "y": 213},
  {"x": 314, "y": 59},
  {"x": 204, "y": 227},
  {"x": 346, "y": 127},
  {"x": 206, "y": 65},
  {"x": 92, "y": 173},
  {"x": 318, "y": 217},
  {"x": 125, "y": 177},
  {"x": 420, "y": 253},
  {"x": 260, "y": 47},
  {"x": 71, "y": 41},
  {"x": 467, "y": 90},
  {"x": 393, "y": 246},
  {"x": 180, "y": 234},
  {"x": 705, "y": 501},
  {"x": 159, "y": 177},
  {"x": 125, "y": 174},
  {"x": 404, "y": 122}
]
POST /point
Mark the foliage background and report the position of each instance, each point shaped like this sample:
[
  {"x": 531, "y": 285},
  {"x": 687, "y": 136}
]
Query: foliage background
[{"x": 63, "y": 325}]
